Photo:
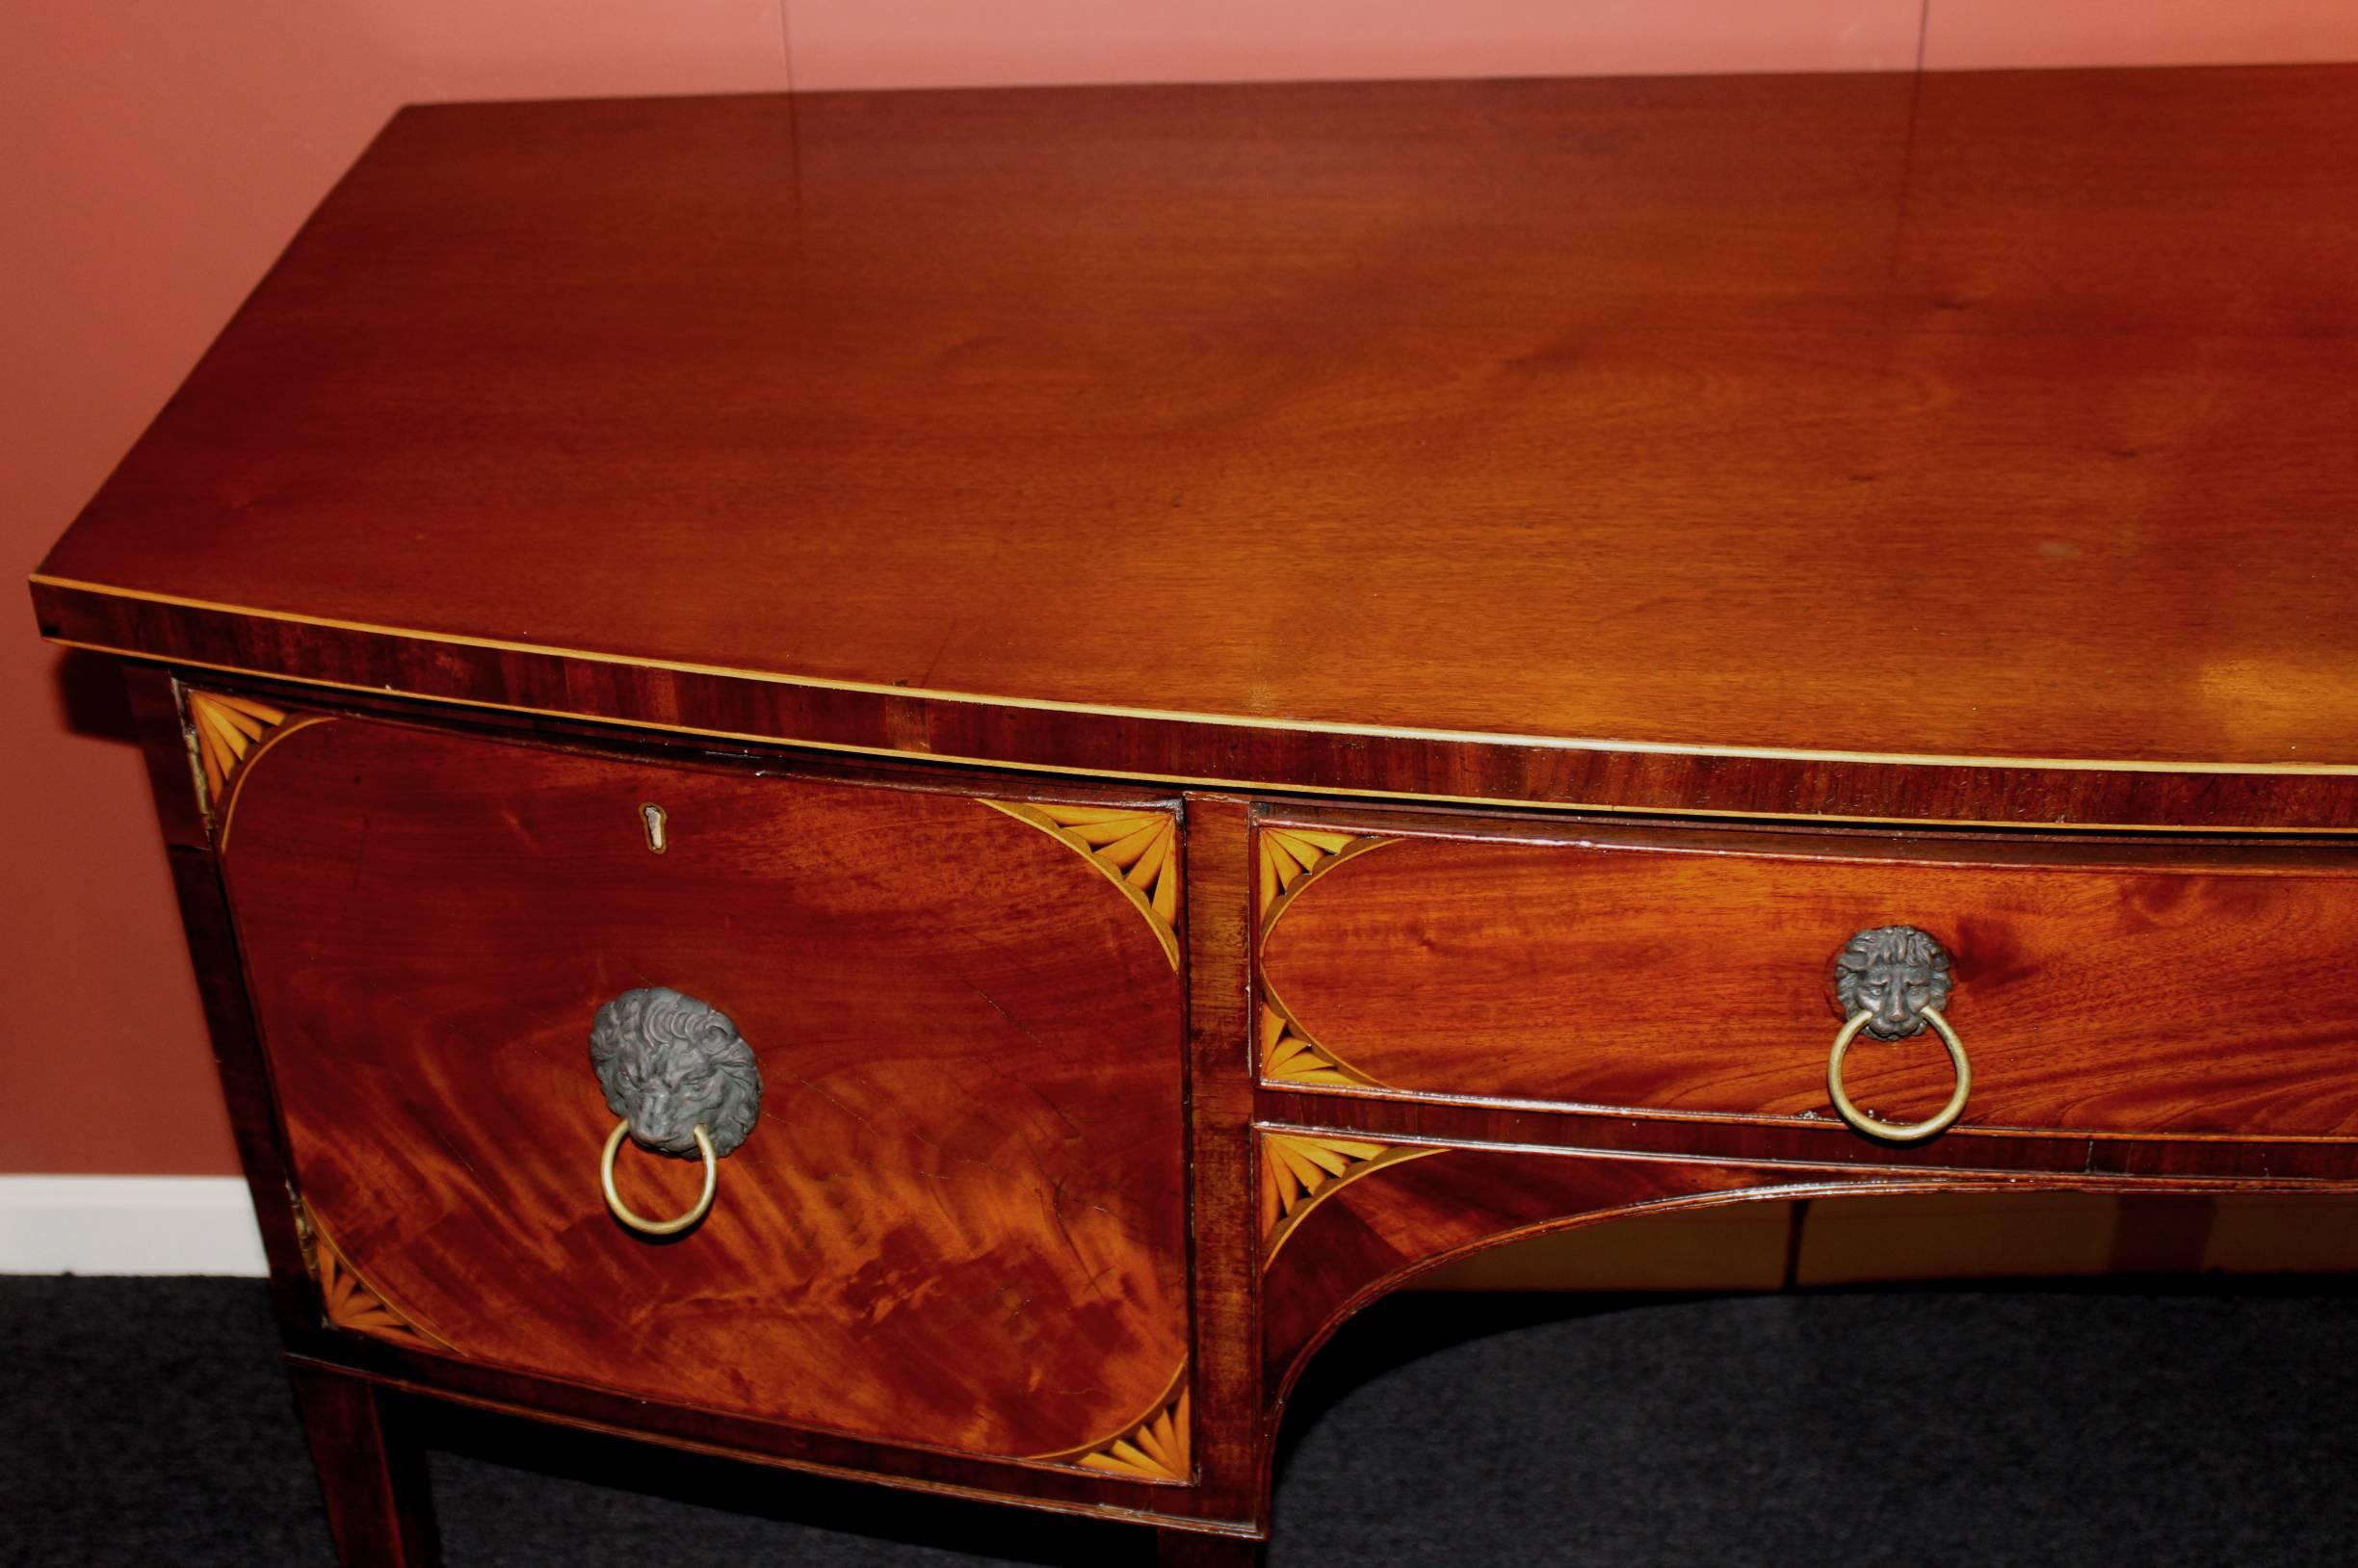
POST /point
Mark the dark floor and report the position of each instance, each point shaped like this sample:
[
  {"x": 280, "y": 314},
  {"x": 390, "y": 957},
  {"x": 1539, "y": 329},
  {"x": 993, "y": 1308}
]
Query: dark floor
[{"x": 144, "y": 1422}]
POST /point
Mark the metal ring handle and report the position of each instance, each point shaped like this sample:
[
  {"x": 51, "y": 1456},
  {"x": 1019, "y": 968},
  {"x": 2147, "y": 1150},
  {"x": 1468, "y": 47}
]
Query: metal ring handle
[
  {"x": 658, "y": 1227},
  {"x": 1897, "y": 1132}
]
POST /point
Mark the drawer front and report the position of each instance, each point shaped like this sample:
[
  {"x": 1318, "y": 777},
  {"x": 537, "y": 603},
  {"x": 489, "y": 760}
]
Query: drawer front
[
  {"x": 2180, "y": 990},
  {"x": 957, "y": 1220}
]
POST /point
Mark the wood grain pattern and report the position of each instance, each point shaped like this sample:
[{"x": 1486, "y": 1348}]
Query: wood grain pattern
[
  {"x": 1137, "y": 849},
  {"x": 158, "y": 713},
  {"x": 349, "y": 1302},
  {"x": 1626, "y": 443},
  {"x": 1298, "y": 1168},
  {"x": 959, "y": 1222},
  {"x": 1219, "y": 1105},
  {"x": 1050, "y": 1486},
  {"x": 1394, "y": 1118},
  {"x": 1224, "y": 1237},
  {"x": 2092, "y": 995},
  {"x": 554, "y": 688}
]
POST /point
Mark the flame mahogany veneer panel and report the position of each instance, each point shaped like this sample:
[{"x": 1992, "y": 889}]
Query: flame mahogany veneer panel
[
  {"x": 2098, "y": 997},
  {"x": 960, "y": 1219}
]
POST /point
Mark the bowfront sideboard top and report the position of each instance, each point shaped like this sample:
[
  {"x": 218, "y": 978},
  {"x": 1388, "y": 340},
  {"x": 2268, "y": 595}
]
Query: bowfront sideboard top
[{"x": 1958, "y": 448}]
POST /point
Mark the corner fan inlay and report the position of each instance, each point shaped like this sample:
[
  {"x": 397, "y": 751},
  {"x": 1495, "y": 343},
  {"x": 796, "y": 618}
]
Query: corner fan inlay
[
  {"x": 1138, "y": 850},
  {"x": 349, "y": 1301},
  {"x": 1289, "y": 854},
  {"x": 1290, "y": 1057},
  {"x": 225, "y": 731},
  {"x": 1154, "y": 1450},
  {"x": 1292, "y": 858},
  {"x": 1298, "y": 1169}
]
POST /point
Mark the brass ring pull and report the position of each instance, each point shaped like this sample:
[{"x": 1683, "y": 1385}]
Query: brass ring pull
[
  {"x": 639, "y": 1222},
  {"x": 675, "y": 1070},
  {"x": 1897, "y": 1132}
]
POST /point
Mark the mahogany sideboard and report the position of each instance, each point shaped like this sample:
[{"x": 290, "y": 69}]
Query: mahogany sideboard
[{"x": 906, "y": 784}]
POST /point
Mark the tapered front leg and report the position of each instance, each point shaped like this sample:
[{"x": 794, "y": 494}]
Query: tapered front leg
[{"x": 371, "y": 1472}]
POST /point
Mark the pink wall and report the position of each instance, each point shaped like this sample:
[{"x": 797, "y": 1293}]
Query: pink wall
[
  {"x": 852, "y": 43},
  {"x": 160, "y": 155},
  {"x": 1987, "y": 35}
]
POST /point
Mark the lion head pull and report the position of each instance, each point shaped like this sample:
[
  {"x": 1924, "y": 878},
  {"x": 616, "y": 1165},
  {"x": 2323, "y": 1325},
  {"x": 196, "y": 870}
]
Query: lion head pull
[
  {"x": 1892, "y": 974},
  {"x": 683, "y": 1081},
  {"x": 1893, "y": 982}
]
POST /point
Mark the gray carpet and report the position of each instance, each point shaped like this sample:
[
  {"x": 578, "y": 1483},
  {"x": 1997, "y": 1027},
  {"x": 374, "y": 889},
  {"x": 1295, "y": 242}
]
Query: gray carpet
[{"x": 146, "y": 1423}]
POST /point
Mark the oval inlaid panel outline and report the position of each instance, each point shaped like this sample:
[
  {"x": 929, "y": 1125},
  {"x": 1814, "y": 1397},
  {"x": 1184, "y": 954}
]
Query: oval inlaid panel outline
[{"x": 958, "y": 1220}]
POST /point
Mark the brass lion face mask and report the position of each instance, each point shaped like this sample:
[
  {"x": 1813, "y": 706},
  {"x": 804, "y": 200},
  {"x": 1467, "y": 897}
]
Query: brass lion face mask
[
  {"x": 670, "y": 1064},
  {"x": 1890, "y": 974}
]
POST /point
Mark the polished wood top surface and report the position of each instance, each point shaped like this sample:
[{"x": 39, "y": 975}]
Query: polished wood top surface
[{"x": 1984, "y": 416}]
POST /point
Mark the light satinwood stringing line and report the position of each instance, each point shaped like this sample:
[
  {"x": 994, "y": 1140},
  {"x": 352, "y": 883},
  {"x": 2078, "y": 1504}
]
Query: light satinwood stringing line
[
  {"x": 1138, "y": 850},
  {"x": 352, "y": 1303}
]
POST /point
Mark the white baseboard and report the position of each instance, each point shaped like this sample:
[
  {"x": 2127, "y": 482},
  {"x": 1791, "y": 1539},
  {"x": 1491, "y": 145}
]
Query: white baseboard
[{"x": 128, "y": 1225}]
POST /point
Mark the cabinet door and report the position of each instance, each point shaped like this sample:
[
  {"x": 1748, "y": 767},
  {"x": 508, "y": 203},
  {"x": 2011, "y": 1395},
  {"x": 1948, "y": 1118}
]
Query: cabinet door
[{"x": 959, "y": 1219}]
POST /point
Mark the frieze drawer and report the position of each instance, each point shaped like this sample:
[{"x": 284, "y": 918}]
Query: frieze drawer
[{"x": 2162, "y": 987}]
